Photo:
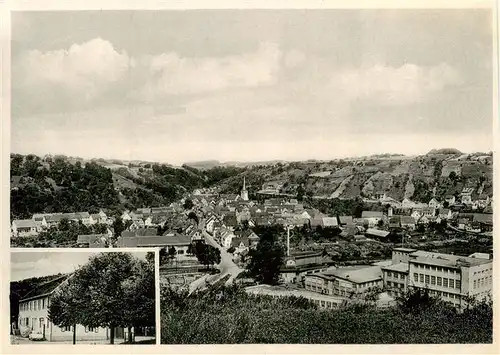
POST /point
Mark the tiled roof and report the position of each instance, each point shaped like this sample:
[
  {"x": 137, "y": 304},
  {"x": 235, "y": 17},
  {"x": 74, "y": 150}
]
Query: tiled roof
[
  {"x": 45, "y": 287},
  {"x": 24, "y": 223}
]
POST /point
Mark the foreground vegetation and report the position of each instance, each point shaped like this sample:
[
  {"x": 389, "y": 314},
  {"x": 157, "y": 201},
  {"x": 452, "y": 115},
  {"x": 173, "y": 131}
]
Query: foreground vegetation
[{"x": 227, "y": 315}]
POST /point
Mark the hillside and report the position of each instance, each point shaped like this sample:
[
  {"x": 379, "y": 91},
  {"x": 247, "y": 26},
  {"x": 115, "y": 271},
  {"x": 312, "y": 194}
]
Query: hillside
[
  {"x": 51, "y": 184},
  {"x": 399, "y": 177},
  {"x": 61, "y": 184}
]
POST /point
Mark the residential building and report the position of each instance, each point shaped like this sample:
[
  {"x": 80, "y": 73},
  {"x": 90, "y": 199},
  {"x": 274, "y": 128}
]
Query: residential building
[
  {"x": 372, "y": 217},
  {"x": 434, "y": 204},
  {"x": 33, "y": 314},
  {"x": 25, "y": 228}
]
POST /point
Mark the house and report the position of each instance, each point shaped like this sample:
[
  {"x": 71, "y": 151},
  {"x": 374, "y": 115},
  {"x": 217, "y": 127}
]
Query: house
[
  {"x": 306, "y": 258},
  {"x": 249, "y": 234},
  {"x": 484, "y": 221},
  {"x": 93, "y": 240},
  {"x": 33, "y": 315},
  {"x": 210, "y": 224},
  {"x": 450, "y": 199},
  {"x": 408, "y": 222},
  {"x": 445, "y": 213},
  {"x": 407, "y": 204},
  {"x": 466, "y": 196},
  {"x": 225, "y": 237},
  {"x": 377, "y": 233},
  {"x": 329, "y": 222},
  {"x": 372, "y": 217},
  {"x": 241, "y": 245},
  {"x": 25, "y": 228},
  {"x": 344, "y": 220},
  {"x": 420, "y": 212},
  {"x": 434, "y": 204},
  {"x": 125, "y": 216},
  {"x": 463, "y": 223}
]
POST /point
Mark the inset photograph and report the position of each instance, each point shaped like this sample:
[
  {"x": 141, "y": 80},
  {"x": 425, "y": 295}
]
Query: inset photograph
[{"x": 82, "y": 297}]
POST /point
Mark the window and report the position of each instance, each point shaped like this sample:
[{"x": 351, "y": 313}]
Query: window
[
  {"x": 445, "y": 282},
  {"x": 439, "y": 269},
  {"x": 89, "y": 329},
  {"x": 433, "y": 280},
  {"x": 389, "y": 274},
  {"x": 180, "y": 252},
  {"x": 433, "y": 268},
  {"x": 41, "y": 323},
  {"x": 457, "y": 284},
  {"x": 66, "y": 329},
  {"x": 427, "y": 279},
  {"x": 396, "y": 276},
  {"x": 439, "y": 281},
  {"x": 475, "y": 283},
  {"x": 421, "y": 277},
  {"x": 452, "y": 283},
  {"x": 43, "y": 303},
  {"x": 426, "y": 267},
  {"x": 415, "y": 277}
]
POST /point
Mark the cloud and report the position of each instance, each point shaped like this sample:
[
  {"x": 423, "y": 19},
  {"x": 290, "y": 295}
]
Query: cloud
[
  {"x": 404, "y": 85},
  {"x": 172, "y": 74},
  {"x": 84, "y": 69}
]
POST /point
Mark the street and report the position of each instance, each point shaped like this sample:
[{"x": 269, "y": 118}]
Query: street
[{"x": 226, "y": 266}]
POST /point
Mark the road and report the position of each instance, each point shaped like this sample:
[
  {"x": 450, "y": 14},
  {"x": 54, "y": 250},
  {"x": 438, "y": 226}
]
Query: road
[{"x": 226, "y": 266}]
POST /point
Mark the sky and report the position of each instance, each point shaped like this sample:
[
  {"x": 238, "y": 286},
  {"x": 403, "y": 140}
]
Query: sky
[
  {"x": 251, "y": 85},
  {"x": 25, "y": 265}
]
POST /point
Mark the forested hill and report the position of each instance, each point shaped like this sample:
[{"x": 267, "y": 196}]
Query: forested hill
[{"x": 62, "y": 184}]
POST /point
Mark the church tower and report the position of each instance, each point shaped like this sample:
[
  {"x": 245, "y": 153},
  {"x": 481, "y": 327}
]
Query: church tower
[{"x": 244, "y": 192}]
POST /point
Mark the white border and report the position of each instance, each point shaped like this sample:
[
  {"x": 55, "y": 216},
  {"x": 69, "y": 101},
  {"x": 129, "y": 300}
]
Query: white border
[{"x": 44, "y": 5}]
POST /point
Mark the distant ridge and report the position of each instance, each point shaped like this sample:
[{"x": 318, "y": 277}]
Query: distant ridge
[{"x": 444, "y": 151}]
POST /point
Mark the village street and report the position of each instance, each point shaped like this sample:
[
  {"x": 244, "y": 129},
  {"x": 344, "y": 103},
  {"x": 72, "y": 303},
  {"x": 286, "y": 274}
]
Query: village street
[{"x": 226, "y": 266}]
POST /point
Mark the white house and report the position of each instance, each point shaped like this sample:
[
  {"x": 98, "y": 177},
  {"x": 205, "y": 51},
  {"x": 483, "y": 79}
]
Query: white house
[
  {"x": 33, "y": 316},
  {"x": 433, "y": 203},
  {"x": 25, "y": 228}
]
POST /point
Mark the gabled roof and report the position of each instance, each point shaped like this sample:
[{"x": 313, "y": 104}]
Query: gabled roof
[
  {"x": 330, "y": 222},
  {"x": 345, "y": 219},
  {"x": 377, "y": 232},
  {"x": 24, "y": 223},
  {"x": 90, "y": 238},
  {"x": 372, "y": 214},
  {"x": 140, "y": 232},
  {"x": 235, "y": 242},
  {"x": 45, "y": 288},
  {"x": 248, "y": 233}
]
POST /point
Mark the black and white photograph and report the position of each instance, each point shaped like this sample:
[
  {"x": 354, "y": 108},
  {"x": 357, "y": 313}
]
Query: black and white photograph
[
  {"x": 304, "y": 176},
  {"x": 82, "y": 298}
]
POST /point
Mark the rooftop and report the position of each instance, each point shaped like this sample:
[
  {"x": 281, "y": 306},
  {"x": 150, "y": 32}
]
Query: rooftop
[
  {"x": 400, "y": 267},
  {"x": 366, "y": 274},
  {"x": 284, "y": 292},
  {"x": 448, "y": 260},
  {"x": 45, "y": 288}
]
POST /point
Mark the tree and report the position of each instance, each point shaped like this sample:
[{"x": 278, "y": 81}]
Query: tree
[
  {"x": 118, "y": 226},
  {"x": 193, "y": 216},
  {"x": 207, "y": 254},
  {"x": 188, "y": 204},
  {"x": 267, "y": 258},
  {"x": 94, "y": 295}
]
